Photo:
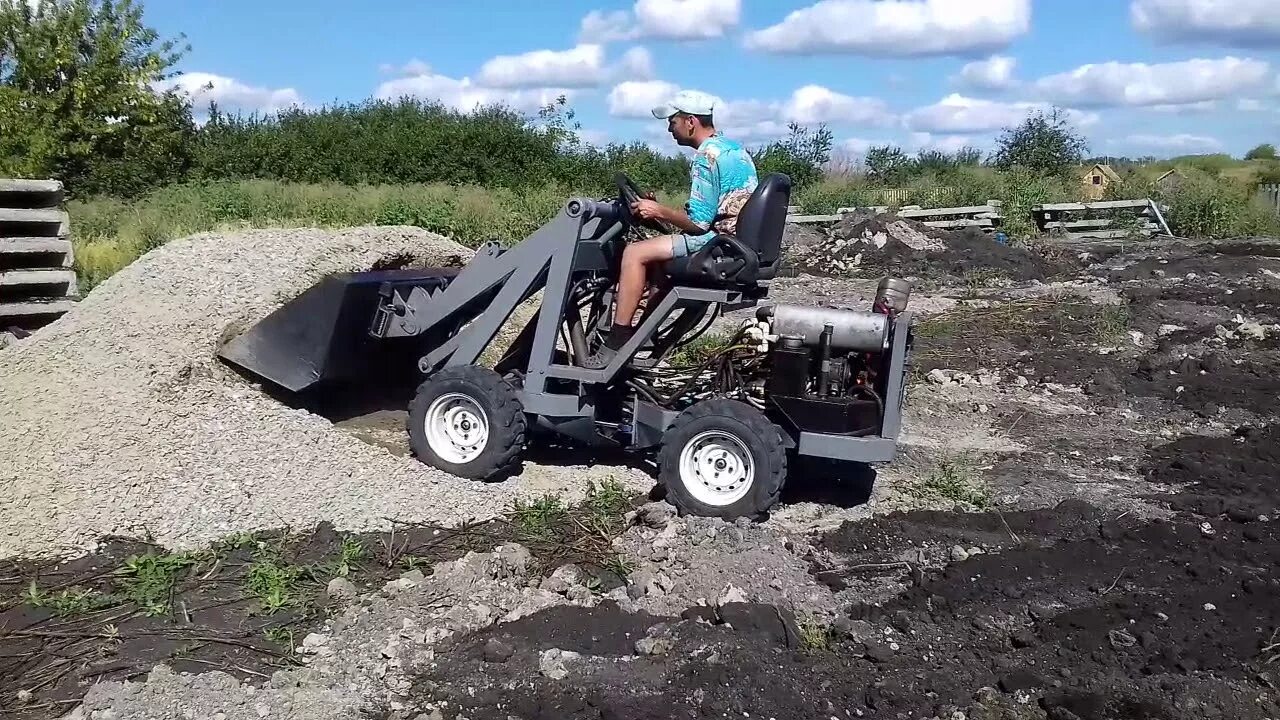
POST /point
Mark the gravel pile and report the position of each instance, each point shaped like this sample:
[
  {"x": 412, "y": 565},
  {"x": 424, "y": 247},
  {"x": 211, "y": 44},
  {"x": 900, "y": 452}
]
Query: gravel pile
[{"x": 119, "y": 419}]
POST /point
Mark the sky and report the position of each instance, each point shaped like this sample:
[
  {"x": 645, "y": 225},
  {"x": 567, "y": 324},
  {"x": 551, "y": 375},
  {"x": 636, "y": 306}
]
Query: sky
[{"x": 1137, "y": 77}]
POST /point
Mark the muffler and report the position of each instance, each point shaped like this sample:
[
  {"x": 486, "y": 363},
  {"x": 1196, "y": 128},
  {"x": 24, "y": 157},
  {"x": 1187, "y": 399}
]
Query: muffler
[{"x": 322, "y": 336}]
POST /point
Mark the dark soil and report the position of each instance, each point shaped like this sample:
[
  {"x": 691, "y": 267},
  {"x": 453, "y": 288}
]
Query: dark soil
[
  {"x": 1179, "y": 260},
  {"x": 1072, "y": 612},
  {"x": 1212, "y": 382},
  {"x": 970, "y": 256},
  {"x": 245, "y": 604},
  {"x": 1237, "y": 476},
  {"x": 1047, "y": 340}
]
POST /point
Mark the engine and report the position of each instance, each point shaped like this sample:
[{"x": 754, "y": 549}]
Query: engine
[
  {"x": 826, "y": 369},
  {"x": 810, "y": 369}
]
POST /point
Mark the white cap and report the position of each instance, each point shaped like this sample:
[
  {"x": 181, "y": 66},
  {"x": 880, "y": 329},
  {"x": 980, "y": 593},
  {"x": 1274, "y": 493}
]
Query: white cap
[{"x": 690, "y": 102}]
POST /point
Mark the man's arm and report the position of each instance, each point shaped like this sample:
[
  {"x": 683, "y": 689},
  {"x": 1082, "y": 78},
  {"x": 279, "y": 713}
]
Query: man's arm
[{"x": 702, "y": 205}]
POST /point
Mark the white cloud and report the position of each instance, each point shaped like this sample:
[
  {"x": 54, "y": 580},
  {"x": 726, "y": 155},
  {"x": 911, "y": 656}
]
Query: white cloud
[
  {"x": 814, "y": 104},
  {"x": 1138, "y": 84},
  {"x": 941, "y": 143},
  {"x": 663, "y": 19},
  {"x": 1249, "y": 105},
  {"x": 582, "y": 66},
  {"x": 1183, "y": 143},
  {"x": 1186, "y": 108},
  {"x": 465, "y": 95},
  {"x": 1241, "y": 23},
  {"x": 994, "y": 73},
  {"x": 958, "y": 114},
  {"x": 637, "y": 98},
  {"x": 750, "y": 120},
  {"x": 897, "y": 28},
  {"x": 232, "y": 94},
  {"x": 579, "y": 67},
  {"x": 636, "y": 64}
]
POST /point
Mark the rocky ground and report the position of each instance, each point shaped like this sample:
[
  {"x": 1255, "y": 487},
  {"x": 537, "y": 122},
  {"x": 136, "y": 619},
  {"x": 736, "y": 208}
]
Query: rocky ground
[{"x": 1082, "y": 524}]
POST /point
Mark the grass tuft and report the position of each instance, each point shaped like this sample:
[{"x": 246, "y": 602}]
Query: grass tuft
[{"x": 953, "y": 479}]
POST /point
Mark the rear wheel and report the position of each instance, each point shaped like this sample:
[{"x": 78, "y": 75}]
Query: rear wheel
[
  {"x": 467, "y": 421},
  {"x": 722, "y": 458}
]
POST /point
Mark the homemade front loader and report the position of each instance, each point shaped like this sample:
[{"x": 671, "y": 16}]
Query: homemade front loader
[{"x": 792, "y": 380}]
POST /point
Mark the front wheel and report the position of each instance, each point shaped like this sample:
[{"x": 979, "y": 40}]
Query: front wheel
[
  {"x": 467, "y": 421},
  {"x": 722, "y": 458}
]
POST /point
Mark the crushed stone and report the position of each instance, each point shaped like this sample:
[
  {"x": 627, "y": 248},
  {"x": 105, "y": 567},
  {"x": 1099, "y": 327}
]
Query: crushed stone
[{"x": 118, "y": 417}]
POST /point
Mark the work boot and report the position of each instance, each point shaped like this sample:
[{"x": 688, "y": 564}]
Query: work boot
[{"x": 600, "y": 359}]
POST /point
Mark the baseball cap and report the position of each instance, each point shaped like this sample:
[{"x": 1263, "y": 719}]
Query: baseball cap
[{"x": 690, "y": 102}]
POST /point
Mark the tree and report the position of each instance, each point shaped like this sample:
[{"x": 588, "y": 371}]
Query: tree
[
  {"x": 801, "y": 155},
  {"x": 1044, "y": 142},
  {"x": 83, "y": 97},
  {"x": 1265, "y": 151},
  {"x": 888, "y": 164}
]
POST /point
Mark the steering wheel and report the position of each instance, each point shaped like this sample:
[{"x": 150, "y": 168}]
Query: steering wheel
[{"x": 630, "y": 193}]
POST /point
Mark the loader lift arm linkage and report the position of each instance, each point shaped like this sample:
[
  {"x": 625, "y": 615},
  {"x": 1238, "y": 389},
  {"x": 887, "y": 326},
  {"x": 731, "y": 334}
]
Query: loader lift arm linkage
[{"x": 824, "y": 383}]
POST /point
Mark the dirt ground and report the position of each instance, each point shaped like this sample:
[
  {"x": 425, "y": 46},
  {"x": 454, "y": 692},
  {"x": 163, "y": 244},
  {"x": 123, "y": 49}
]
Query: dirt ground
[{"x": 1082, "y": 525}]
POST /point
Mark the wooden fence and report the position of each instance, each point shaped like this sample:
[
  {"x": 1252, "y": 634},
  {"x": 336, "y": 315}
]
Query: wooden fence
[
  {"x": 1105, "y": 219},
  {"x": 1100, "y": 220},
  {"x": 1270, "y": 196},
  {"x": 987, "y": 216}
]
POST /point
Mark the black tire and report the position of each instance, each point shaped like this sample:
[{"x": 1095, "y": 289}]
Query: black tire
[
  {"x": 732, "y": 421},
  {"x": 487, "y": 393}
]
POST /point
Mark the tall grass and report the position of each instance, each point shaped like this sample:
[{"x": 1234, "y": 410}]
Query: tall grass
[{"x": 109, "y": 233}]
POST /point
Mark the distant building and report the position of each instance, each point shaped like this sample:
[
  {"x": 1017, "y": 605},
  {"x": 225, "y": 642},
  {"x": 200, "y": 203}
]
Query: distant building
[{"x": 1097, "y": 179}]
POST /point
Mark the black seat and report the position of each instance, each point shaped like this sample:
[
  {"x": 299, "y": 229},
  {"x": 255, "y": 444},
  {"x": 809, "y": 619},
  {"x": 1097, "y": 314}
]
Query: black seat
[{"x": 750, "y": 255}]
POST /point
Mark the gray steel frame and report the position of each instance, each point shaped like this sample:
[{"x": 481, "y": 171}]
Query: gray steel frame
[{"x": 547, "y": 260}]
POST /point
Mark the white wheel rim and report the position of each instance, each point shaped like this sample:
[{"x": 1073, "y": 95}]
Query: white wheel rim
[
  {"x": 456, "y": 428},
  {"x": 716, "y": 468}
]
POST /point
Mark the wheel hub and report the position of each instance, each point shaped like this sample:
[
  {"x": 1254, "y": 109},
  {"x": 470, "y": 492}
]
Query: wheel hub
[
  {"x": 717, "y": 468},
  {"x": 456, "y": 428}
]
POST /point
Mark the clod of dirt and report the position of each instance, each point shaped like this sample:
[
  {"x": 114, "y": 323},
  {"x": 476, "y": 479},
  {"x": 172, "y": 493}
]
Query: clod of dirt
[
  {"x": 1235, "y": 476},
  {"x": 863, "y": 244}
]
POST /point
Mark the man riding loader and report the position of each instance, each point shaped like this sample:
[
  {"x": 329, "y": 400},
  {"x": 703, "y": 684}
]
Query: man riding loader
[{"x": 792, "y": 380}]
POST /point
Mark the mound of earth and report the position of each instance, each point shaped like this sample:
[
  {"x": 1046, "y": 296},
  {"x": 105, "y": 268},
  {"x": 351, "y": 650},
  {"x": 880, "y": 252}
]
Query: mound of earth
[
  {"x": 119, "y": 419},
  {"x": 864, "y": 244}
]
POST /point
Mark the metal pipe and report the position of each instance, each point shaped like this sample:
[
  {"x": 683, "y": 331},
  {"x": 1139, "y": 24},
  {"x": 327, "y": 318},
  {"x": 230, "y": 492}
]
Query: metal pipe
[
  {"x": 858, "y": 330},
  {"x": 824, "y": 358}
]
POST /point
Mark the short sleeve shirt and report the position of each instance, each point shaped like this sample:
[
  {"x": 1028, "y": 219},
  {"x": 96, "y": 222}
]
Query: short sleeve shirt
[{"x": 722, "y": 178}]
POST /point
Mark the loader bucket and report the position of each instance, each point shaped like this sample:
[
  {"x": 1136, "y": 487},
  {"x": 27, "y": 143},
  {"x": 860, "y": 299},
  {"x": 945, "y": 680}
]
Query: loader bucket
[{"x": 322, "y": 336}]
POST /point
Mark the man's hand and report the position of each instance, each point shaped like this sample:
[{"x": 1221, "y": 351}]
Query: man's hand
[{"x": 649, "y": 209}]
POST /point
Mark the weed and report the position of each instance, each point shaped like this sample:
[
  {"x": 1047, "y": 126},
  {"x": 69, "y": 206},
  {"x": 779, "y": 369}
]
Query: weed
[
  {"x": 148, "y": 580},
  {"x": 274, "y": 584},
  {"x": 814, "y": 634},
  {"x": 606, "y": 503},
  {"x": 536, "y": 519},
  {"x": 70, "y": 601},
  {"x": 1110, "y": 324},
  {"x": 618, "y": 565},
  {"x": 953, "y": 479},
  {"x": 698, "y": 351},
  {"x": 349, "y": 556}
]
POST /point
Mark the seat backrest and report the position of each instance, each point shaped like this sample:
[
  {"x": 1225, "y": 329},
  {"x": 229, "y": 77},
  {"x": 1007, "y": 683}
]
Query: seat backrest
[{"x": 763, "y": 218}]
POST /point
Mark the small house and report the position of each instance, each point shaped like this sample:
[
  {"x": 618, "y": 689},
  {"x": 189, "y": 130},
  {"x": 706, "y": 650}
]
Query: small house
[{"x": 1097, "y": 179}]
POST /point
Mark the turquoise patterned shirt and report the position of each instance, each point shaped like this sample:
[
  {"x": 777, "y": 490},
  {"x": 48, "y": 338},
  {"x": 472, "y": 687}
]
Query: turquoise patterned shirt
[{"x": 722, "y": 178}]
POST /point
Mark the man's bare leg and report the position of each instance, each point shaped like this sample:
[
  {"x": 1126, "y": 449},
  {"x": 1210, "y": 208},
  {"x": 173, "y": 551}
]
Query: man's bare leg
[{"x": 636, "y": 259}]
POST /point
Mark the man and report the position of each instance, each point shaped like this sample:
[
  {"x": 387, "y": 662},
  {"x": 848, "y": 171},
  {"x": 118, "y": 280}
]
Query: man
[{"x": 722, "y": 177}]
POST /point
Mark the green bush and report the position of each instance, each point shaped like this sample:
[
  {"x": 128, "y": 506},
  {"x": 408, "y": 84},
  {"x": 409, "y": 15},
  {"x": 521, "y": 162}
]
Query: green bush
[{"x": 1205, "y": 205}]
